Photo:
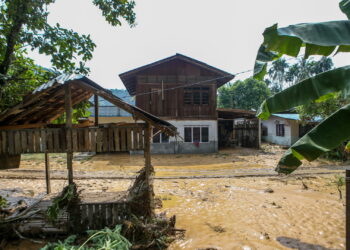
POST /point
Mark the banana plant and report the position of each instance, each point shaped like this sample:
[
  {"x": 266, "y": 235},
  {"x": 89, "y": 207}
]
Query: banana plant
[{"x": 324, "y": 39}]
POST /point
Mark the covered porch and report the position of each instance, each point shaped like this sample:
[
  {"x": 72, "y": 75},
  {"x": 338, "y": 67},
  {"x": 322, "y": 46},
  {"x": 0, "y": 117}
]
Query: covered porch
[{"x": 28, "y": 128}]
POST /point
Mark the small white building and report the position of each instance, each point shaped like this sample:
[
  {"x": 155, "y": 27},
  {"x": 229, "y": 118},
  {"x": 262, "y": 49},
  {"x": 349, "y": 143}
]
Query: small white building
[{"x": 281, "y": 129}]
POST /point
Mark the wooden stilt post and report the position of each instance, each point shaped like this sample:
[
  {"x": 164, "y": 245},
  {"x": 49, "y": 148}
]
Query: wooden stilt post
[
  {"x": 148, "y": 167},
  {"x": 347, "y": 208},
  {"x": 47, "y": 172},
  {"x": 96, "y": 109},
  {"x": 68, "y": 108},
  {"x": 147, "y": 151}
]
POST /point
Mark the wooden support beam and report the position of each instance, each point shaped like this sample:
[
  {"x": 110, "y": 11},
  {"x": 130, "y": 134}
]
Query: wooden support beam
[
  {"x": 96, "y": 109},
  {"x": 25, "y": 126},
  {"x": 47, "y": 173},
  {"x": 68, "y": 109},
  {"x": 127, "y": 107}
]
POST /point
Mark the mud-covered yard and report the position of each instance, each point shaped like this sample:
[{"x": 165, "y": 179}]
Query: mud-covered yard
[{"x": 229, "y": 200}]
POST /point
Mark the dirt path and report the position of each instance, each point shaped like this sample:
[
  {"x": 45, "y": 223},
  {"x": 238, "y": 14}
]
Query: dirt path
[{"x": 267, "y": 212}]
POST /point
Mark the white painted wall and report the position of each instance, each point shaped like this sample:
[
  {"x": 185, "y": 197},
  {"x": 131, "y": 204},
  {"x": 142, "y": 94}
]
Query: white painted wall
[
  {"x": 291, "y": 128},
  {"x": 180, "y": 125}
]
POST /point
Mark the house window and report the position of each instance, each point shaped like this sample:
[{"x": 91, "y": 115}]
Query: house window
[
  {"x": 160, "y": 137},
  {"x": 196, "y": 96},
  {"x": 264, "y": 130},
  {"x": 196, "y": 134},
  {"x": 279, "y": 129}
]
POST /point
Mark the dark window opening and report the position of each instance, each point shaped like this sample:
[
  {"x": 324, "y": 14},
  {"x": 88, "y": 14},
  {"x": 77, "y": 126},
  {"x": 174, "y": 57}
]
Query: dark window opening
[
  {"x": 188, "y": 98},
  {"x": 188, "y": 134},
  {"x": 264, "y": 130},
  {"x": 196, "y": 134},
  {"x": 160, "y": 137},
  {"x": 205, "y": 134},
  {"x": 196, "y": 98},
  {"x": 196, "y": 95},
  {"x": 165, "y": 138},
  {"x": 279, "y": 129}
]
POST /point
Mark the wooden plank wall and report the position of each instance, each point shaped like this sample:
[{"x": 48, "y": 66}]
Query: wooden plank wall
[
  {"x": 94, "y": 216},
  {"x": 54, "y": 140},
  {"x": 246, "y": 133},
  {"x": 173, "y": 104}
]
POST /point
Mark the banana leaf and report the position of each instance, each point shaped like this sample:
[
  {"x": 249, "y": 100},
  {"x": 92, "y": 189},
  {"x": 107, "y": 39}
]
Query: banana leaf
[
  {"x": 316, "y": 88},
  {"x": 324, "y": 137},
  {"x": 318, "y": 39},
  {"x": 345, "y": 7}
]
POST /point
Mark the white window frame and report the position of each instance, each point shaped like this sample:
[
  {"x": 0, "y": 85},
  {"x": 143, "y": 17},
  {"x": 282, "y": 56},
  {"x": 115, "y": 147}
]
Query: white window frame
[{"x": 200, "y": 133}]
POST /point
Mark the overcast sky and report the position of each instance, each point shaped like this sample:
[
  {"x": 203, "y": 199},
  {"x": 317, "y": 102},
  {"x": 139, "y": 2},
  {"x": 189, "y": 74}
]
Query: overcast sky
[{"x": 223, "y": 33}]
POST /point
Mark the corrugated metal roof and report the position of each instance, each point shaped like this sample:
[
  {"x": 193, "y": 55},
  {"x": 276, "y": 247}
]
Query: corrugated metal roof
[
  {"x": 295, "y": 117},
  {"x": 109, "y": 111},
  {"x": 61, "y": 79}
]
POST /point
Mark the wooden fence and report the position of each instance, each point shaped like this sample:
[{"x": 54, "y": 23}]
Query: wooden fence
[
  {"x": 246, "y": 133},
  {"x": 94, "y": 216},
  {"x": 58, "y": 140}
]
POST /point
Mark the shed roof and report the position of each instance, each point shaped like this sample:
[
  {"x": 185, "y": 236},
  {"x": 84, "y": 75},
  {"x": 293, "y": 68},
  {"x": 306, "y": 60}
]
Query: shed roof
[
  {"x": 228, "y": 113},
  {"x": 296, "y": 117},
  {"x": 129, "y": 77},
  {"x": 46, "y": 103}
]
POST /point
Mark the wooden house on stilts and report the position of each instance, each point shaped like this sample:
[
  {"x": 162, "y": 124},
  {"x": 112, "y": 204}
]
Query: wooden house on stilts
[{"x": 27, "y": 128}]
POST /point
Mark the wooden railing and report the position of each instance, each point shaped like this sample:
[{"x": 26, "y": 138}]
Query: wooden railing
[{"x": 57, "y": 140}]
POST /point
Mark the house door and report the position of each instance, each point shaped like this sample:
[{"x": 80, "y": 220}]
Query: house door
[{"x": 156, "y": 102}]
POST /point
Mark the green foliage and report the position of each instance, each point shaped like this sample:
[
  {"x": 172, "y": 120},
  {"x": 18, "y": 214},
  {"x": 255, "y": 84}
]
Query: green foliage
[
  {"x": 307, "y": 91},
  {"x": 247, "y": 94},
  {"x": 79, "y": 110},
  {"x": 101, "y": 239},
  {"x": 339, "y": 182},
  {"x": 62, "y": 201},
  {"x": 316, "y": 109},
  {"x": 23, "y": 77},
  {"x": 345, "y": 7},
  {"x": 318, "y": 39},
  {"x": 23, "y": 26},
  {"x": 3, "y": 202},
  {"x": 282, "y": 74}
]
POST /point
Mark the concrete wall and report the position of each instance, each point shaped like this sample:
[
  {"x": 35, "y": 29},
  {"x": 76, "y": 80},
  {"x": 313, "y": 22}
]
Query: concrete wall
[
  {"x": 178, "y": 146},
  {"x": 291, "y": 131}
]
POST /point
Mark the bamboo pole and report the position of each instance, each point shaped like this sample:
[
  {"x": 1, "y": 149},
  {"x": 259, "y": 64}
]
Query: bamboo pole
[
  {"x": 68, "y": 108},
  {"x": 47, "y": 173}
]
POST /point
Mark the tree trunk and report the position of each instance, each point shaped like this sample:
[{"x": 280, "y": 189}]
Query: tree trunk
[{"x": 20, "y": 9}]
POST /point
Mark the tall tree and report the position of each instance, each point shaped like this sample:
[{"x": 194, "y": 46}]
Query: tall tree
[
  {"x": 247, "y": 94},
  {"x": 23, "y": 25}
]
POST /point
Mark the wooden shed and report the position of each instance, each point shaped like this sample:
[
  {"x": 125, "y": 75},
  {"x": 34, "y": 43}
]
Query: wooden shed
[{"x": 27, "y": 128}]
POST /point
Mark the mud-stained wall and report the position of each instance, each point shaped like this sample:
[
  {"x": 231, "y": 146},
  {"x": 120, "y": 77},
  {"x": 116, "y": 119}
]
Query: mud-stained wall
[{"x": 179, "y": 146}]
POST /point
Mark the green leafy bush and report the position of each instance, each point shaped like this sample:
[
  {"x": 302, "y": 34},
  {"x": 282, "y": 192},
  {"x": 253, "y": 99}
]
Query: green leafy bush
[{"x": 107, "y": 239}]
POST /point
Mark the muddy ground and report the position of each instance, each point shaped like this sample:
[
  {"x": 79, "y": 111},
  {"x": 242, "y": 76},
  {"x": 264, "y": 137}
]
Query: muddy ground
[{"x": 229, "y": 200}]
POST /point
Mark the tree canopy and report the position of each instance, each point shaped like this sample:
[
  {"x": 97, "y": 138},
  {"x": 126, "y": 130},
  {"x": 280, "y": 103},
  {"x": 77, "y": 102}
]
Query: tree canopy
[
  {"x": 247, "y": 94},
  {"x": 24, "y": 26}
]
